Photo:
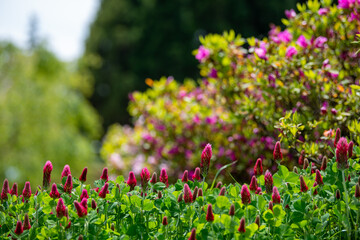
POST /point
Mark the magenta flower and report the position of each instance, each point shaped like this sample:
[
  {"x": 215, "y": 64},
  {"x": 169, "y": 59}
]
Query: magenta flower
[
  {"x": 154, "y": 178},
  {"x": 196, "y": 175},
  {"x": 261, "y": 53},
  {"x": 303, "y": 186},
  {"x": 165, "y": 221},
  {"x": 81, "y": 211},
  {"x": 19, "y": 229},
  {"x": 84, "y": 203},
  {"x": 187, "y": 194},
  {"x": 185, "y": 177},
  {"x": 84, "y": 194},
  {"x": 5, "y": 190},
  {"x": 164, "y": 177},
  {"x": 241, "y": 228},
  {"x": 268, "y": 181},
  {"x": 323, "y": 164},
  {"x": 320, "y": 41},
  {"x": 205, "y": 158},
  {"x": 290, "y": 52},
  {"x": 345, "y": 4},
  {"x": 54, "y": 191},
  {"x": 60, "y": 208},
  {"x": 350, "y": 149},
  {"x": 14, "y": 189},
  {"x": 245, "y": 195},
  {"x": 276, "y": 196},
  {"x": 323, "y": 11},
  {"x": 271, "y": 205},
  {"x": 318, "y": 177},
  {"x": 26, "y": 224},
  {"x": 27, "y": 190},
  {"x": 301, "y": 157},
  {"x": 290, "y": 13},
  {"x": 202, "y": 54},
  {"x": 284, "y": 36},
  {"x": 105, "y": 175},
  {"x": 277, "y": 152},
  {"x": 302, "y": 41},
  {"x": 131, "y": 180},
  {"x": 258, "y": 168},
  {"x": 93, "y": 204},
  {"x": 68, "y": 184},
  {"x": 232, "y": 210},
  {"x": 47, "y": 174},
  {"x": 337, "y": 136},
  {"x": 66, "y": 171},
  {"x": 193, "y": 234},
  {"x": 213, "y": 73},
  {"x": 82, "y": 177},
  {"x": 342, "y": 153},
  {"x": 209, "y": 214},
  {"x": 253, "y": 184},
  {"x": 145, "y": 177}
]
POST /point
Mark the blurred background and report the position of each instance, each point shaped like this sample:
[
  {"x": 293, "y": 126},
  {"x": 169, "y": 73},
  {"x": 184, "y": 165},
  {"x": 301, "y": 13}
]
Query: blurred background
[{"x": 67, "y": 68}]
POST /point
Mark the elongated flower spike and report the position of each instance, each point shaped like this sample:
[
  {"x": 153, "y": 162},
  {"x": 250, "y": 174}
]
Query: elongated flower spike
[
  {"x": 268, "y": 182},
  {"x": 164, "y": 177},
  {"x": 81, "y": 211},
  {"x": 222, "y": 191},
  {"x": 84, "y": 194},
  {"x": 195, "y": 193},
  {"x": 257, "y": 220},
  {"x": 60, "y": 208},
  {"x": 258, "y": 168},
  {"x": 66, "y": 171},
  {"x": 193, "y": 234},
  {"x": 68, "y": 184},
  {"x": 131, "y": 180},
  {"x": 337, "y": 136},
  {"x": 159, "y": 195},
  {"x": 318, "y": 177},
  {"x": 84, "y": 203},
  {"x": 180, "y": 197},
  {"x": 277, "y": 152},
  {"x": 187, "y": 194},
  {"x": 185, "y": 177},
  {"x": 196, "y": 175},
  {"x": 276, "y": 196},
  {"x": 205, "y": 159},
  {"x": 200, "y": 192},
  {"x": 104, "y": 190},
  {"x": 350, "y": 149},
  {"x": 357, "y": 191},
  {"x": 337, "y": 194},
  {"x": 232, "y": 210},
  {"x": 253, "y": 184},
  {"x": 19, "y": 228},
  {"x": 342, "y": 154},
  {"x": 209, "y": 214},
  {"x": 258, "y": 191},
  {"x": 219, "y": 185},
  {"x": 14, "y": 189},
  {"x": 5, "y": 190},
  {"x": 105, "y": 174},
  {"x": 26, "y": 224},
  {"x": 47, "y": 174},
  {"x": 145, "y": 177},
  {"x": 27, "y": 190},
  {"x": 306, "y": 163},
  {"x": 54, "y": 191},
  {"x": 271, "y": 205},
  {"x": 154, "y": 178},
  {"x": 302, "y": 157},
  {"x": 303, "y": 186},
  {"x": 165, "y": 221},
  {"x": 323, "y": 164},
  {"x": 82, "y": 177},
  {"x": 241, "y": 228},
  {"x": 245, "y": 195},
  {"x": 93, "y": 204}
]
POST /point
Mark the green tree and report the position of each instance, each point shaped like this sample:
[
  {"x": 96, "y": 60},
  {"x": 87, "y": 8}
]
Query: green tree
[
  {"x": 44, "y": 115},
  {"x": 131, "y": 40}
]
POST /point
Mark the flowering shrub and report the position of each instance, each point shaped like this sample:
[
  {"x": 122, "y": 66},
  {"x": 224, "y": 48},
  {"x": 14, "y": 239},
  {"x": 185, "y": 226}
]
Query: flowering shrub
[
  {"x": 285, "y": 204},
  {"x": 297, "y": 82}
]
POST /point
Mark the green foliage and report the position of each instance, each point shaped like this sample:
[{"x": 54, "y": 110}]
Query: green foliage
[
  {"x": 131, "y": 40},
  {"x": 44, "y": 114},
  {"x": 130, "y": 214}
]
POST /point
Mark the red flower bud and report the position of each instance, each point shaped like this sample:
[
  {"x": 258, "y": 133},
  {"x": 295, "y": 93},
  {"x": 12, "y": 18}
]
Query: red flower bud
[
  {"x": 164, "y": 177},
  {"x": 200, "y": 193},
  {"x": 180, "y": 197},
  {"x": 323, "y": 164},
  {"x": 195, "y": 193},
  {"x": 145, "y": 177},
  {"x": 68, "y": 184},
  {"x": 205, "y": 158},
  {"x": 337, "y": 194},
  {"x": 5, "y": 190},
  {"x": 357, "y": 191},
  {"x": 258, "y": 191},
  {"x": 232, "y": 210},
  {"x": 81, "y": 211},
  {"x": 47, "y": 174},
  {"x": 14, "y": 189},
  {"x": 19, "y": 229},
  {"x": 315, "y": 191},
  {"x": 185, "y": 177},
  {"x": 165, "y": 221},
  {"x": 104, "y": 190},
  {"x": 131, "y": 180},
  {"x": 82, "y": 177},
  {"x": 105, "y": 176},
  {"x": 276, "y": 196},
  {"x": 258, "y": 168},
  {"x": 318, "y": 177},
  {"x": 84, "y": 194},
  {"x": 154, "y": 178},
  {"x": 350, "y": 149},
  {"x": 268, "y": 182},
  {"x": 245, "y": 195},
  {"x": 196, "y": 175},
  {"x": 341, "y": 154},
  {"x": 257, "y": 220},
  {"x": 159, "y": 195},
  {"x": 306, "y": 163},
  {"x": 271, "y": 205},
  {"x": 93, "y": 204},
  {"x": 277, "y": 152},
  {"x": 187, "y": 194},
  {"x": 27, "y": 190},
  {"x": 241, "y": 228},
  {"x": 301, "y": 158},
  {"x": 54, "y": 191},
  {"x": 253, "y": 184},
  {"x": 337, "y": 136},
  {"x": 209, "y": 214},
  {"x": 84, "y": 203},
  {"x": 219, "y": 185},
  {"x": 66, "y": 171},
  {"x": 26, "y": 224},
  {"x": 60, "y": 208},
  {"x": 222, "y": 191},
  {"x": 193, "y": 234},
  {"x": 303, "y": 186}
]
